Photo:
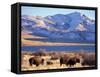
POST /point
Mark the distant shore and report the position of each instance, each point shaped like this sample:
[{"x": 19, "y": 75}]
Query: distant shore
[{"x": 39, "y": 43}]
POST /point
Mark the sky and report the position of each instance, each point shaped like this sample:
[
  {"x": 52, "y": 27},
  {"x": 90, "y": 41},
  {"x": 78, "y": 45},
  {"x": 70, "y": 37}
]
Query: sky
[{"x": 43, "y": 11}]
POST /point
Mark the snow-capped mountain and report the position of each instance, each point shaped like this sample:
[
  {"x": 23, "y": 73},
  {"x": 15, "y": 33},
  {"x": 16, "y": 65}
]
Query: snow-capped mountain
[{"x": 70, "y": 26}]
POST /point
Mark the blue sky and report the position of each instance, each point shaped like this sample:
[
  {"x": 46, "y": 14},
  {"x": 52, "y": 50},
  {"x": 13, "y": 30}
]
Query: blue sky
[{"x": 42, "y": 11}]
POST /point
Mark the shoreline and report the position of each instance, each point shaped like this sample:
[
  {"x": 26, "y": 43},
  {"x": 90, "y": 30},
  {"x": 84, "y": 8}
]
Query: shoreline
[{"x": 39, "y": 43}]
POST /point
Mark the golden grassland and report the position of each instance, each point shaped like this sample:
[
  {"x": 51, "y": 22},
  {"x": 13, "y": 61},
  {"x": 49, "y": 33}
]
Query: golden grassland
[{"x": 56, "y": 63}]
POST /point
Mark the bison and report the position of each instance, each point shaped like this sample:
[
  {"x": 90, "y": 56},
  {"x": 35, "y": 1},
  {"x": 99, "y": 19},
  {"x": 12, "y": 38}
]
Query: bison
[
  {"x": 73, "y": 61},
  {"x": 36, "y": 61},
  {"x": 49, "y": 63},
  {"x": 89, "y": 59},
  {"x": 63, "y": 60},
  {"x": 69, "y": 61}
]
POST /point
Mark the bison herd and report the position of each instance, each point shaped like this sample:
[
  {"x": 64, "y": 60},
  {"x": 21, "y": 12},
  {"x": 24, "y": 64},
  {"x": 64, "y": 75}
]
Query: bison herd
[{"x": 87, "y": 59}]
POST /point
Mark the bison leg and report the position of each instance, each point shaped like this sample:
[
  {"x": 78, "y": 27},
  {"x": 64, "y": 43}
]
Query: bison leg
[
  {"x": 61, "y": 61},
  {"x": 37, "y": 65},
  {"x": 42, "y": 61},
  {"x": 60, "y": 64},
  {"x": 31, "y": 62}
]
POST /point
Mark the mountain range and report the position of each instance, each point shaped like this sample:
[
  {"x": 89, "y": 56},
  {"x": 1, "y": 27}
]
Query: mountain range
[{"x": 74, "y": 26}]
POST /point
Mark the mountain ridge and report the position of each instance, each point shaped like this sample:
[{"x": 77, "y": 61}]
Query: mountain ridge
[{"x": 70, "y": 26}]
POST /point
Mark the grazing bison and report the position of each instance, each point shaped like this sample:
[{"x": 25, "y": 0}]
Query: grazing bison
[
  {"x": 69, "y": 61},
  {"x": 73, "y": 61},
  {"x": 49, "y": 63},
  {"x": 36, "y": 61},
  {"x": 63, "y": 60},
  {"x": 89, "y": 59}
]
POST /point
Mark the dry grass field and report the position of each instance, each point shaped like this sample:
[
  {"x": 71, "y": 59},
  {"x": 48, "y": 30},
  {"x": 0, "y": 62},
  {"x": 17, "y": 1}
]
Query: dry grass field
[{"x": 52, "y": 60}]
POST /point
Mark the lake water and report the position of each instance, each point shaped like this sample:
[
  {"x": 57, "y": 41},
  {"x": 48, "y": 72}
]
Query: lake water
[
  {"x": 86, "y": 48},
  {"x": 62, "y": 40}
]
